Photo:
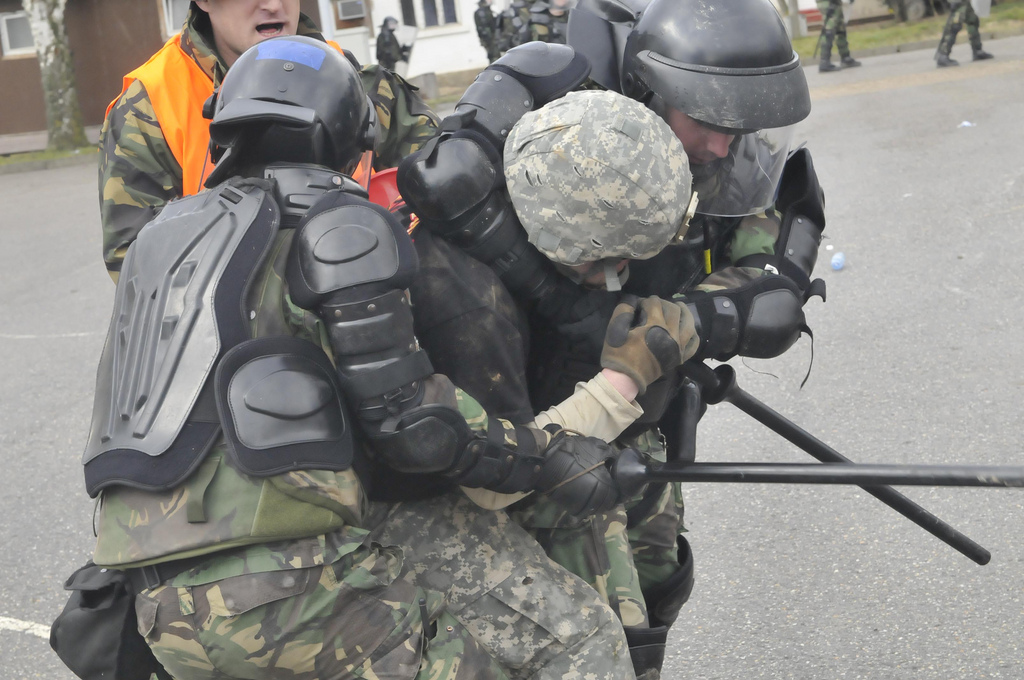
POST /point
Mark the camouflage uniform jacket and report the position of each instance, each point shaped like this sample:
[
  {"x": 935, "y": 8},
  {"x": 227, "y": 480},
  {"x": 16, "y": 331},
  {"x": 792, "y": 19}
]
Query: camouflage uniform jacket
[{"x": 138, "y": 174}]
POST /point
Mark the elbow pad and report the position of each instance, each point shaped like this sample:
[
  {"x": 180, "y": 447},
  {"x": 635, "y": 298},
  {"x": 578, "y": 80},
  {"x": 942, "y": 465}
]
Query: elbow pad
[{"x": 761, "y": 319}]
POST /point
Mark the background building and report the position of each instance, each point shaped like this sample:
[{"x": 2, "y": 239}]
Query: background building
[{"x": 111, "y": 37}]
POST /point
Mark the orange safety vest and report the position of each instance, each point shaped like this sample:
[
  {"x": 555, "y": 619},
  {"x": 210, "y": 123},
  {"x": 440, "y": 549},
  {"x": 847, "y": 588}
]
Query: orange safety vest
[{"x": 178, "y": 88}]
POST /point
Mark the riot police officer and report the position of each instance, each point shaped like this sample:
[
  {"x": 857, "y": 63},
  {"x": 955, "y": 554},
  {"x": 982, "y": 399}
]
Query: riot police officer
[
  {"x": 487, "y": 29},
  {"x": 260, "y": 367},
  {"x": 389, "y": 50},
  {"x": 732, "y": 103}
]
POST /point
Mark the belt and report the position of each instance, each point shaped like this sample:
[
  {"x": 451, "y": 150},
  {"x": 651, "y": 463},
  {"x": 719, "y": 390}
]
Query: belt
[{"x": 153, "y": 575}]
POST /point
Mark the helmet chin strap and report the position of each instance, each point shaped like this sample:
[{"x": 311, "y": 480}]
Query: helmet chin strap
[
  {"x": 611, "y": 276},
  {"x": 613, "y": 280}
]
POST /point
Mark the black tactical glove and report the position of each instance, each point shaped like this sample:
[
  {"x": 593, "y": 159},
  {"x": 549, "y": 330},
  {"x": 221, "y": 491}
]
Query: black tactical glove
[
  {"x": 576, "y": 474},
  {"x": 647, "y": 338},
  {"x": 760, "y": 319}
]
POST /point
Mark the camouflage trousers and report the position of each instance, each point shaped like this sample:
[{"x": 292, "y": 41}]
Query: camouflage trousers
[
  {"x": 960, "y": 14},
  {"x": 299, "y": 612},
  {"x": 621, "y": 553},
  {"x": 537, "y": 619},
  {"x": 835, "y": 23}
]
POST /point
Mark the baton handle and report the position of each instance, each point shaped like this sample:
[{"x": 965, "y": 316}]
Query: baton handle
[{"x": 720, "y": 385}]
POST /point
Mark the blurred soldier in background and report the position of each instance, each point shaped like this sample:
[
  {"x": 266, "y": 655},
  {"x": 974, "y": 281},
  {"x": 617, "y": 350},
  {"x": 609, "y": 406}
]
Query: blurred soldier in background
[
  {"x": 960, "y": 12},
  {"x": 515, "y": 25},
  {"x": 833, "y": 28},
  {"x": 389, "y": 50},
  {"x": 549, "y": 21},
  {"x": 487, "y": 29}
]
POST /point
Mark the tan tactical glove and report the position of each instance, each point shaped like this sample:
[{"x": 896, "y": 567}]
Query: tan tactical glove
[{"x": 647, "y": 338}]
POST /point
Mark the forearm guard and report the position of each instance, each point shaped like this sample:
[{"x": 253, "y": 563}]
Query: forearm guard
[
  {"x": 350, "y": 262},
  {"x": 801, "y": 202},
  {"x": 436, "y": 438}
]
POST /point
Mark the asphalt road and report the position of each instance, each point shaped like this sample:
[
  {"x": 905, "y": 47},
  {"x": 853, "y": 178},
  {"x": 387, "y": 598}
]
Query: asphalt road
[{"x": 917, "y": 357}]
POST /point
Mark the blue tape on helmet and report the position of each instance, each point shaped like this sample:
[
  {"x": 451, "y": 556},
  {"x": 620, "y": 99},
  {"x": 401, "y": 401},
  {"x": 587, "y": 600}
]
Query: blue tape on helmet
[{"x": 287, "y": 50}]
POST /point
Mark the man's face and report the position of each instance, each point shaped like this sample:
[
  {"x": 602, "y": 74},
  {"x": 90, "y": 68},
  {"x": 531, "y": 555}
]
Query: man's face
[
  {"x": 702, "y": 145},
  {"x": 240, "y": 24}
]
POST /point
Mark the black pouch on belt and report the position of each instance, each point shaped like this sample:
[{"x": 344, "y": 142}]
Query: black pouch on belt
[{"x": 96, "y": 635}]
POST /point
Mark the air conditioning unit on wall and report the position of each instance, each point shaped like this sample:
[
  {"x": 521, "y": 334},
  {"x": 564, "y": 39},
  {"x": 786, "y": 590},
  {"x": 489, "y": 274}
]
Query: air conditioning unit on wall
[{"x": 350, "y": 9}]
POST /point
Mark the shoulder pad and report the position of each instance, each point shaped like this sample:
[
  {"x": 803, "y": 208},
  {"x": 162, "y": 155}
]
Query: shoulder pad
[
  {"x": 521, "y": 80},
  {"x": 346, "y": 241},
  {"x": 280, "y": 404}
]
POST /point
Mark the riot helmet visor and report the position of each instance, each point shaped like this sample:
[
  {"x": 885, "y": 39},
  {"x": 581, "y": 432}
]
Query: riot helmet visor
[{"x": 744, "y": 181}]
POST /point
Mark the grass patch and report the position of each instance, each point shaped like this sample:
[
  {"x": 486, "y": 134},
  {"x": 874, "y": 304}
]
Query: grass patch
[
  {"x": 47, "y": 155},
  {"x": 1006, "y": 17}
]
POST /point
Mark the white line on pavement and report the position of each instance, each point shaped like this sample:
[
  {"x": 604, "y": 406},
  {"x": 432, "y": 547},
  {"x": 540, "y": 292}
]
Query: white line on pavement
[
  {"x": 13, "y": 336},
  {"x": 36, "y": 629}
]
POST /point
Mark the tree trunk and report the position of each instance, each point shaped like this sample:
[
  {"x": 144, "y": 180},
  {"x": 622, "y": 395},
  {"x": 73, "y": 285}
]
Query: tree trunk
[{"x": 63, "y": 114}]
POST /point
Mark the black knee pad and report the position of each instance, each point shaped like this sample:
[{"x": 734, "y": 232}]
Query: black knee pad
[{"x": 665, "y": 599}]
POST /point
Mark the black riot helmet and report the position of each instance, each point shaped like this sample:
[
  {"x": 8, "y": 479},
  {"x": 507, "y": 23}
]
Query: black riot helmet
[
  {"x": 728, "y": 64},
  {"x": 290, "y": 99}
]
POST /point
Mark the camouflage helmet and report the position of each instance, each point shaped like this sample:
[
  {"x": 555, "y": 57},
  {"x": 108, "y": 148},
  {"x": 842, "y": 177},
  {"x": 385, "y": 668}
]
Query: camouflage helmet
[{"x": 597, "y": 175}]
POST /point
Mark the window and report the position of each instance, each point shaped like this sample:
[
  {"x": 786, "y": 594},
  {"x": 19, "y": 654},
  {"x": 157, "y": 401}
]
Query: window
[
  {"x": 16, "y": 34},
  {"x": 431, "y": 17},
  {"x": 408, "y": 13},
  {"x": 175, "y": 12},
  {"x": 429, "y": 12}
]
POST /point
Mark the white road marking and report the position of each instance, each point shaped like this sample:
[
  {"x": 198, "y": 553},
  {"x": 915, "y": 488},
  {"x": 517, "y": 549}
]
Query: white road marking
[
  {"x": 12, "y": 336},
  {"x": 36, "y": 629}
]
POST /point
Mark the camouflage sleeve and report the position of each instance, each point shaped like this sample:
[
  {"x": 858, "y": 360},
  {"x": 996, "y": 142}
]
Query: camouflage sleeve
[
  {"x": 754, "y": 235},
  {"x": 406, "y": 123},
  {"x": 138, "y": 174}
]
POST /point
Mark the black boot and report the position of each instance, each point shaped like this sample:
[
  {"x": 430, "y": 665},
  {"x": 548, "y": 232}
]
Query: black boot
[
  {"x": 849, "y": 62},
  {"x": 826, "y": 64},
  {"x": 980, "y": 54},
  {"x": 647, "y": 651},
  {"x": 945, "y": 60}
]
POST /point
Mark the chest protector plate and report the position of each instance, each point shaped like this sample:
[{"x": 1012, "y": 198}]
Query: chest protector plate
[{"x": 178, "y": 308}]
